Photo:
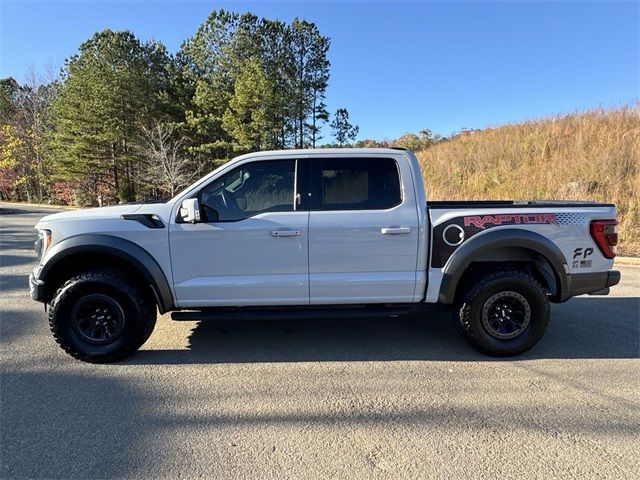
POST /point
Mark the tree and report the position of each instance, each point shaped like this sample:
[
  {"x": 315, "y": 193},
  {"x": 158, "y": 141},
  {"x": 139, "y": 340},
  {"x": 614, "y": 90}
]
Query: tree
[
  {"x": 343, "y": 130},
  {"x": 246, "y": 119},
  {"x": 294, "y": 71},
  {"x": 207, "y": 84},
  {"x": 8, "y": 91},
  {"x": 11, "y": 150},
  {"x": 25, "y": 115},
  {"x": 310, "y": 77},
  {"x": 108, "y": 89},
  {"x": 32, "y": 118},
  {"x": 166, "y": 164},
  {"x": 370, "y": 143},
  {"x": 424, "y": 139},
  {"x": 277, "y": 64}
]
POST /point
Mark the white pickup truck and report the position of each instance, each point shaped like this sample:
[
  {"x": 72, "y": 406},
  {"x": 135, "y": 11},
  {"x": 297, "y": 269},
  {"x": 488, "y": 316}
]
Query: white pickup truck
[{"x": 307, "y": 233}]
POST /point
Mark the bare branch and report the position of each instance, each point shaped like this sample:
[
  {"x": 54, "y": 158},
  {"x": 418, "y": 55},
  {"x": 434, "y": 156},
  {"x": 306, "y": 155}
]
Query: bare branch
[{"x": 166, "y": 163}]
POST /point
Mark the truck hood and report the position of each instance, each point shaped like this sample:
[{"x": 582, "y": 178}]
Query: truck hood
[{"x": 91, "y": 213}]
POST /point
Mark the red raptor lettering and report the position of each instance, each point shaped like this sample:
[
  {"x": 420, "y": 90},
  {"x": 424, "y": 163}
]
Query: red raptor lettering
[{"x": 481, "y": 221}]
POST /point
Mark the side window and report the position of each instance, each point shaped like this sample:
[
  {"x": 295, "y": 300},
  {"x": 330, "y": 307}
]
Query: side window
[
  {"x": 248, "y": 190},
  {"x": 360, "y": 184}
]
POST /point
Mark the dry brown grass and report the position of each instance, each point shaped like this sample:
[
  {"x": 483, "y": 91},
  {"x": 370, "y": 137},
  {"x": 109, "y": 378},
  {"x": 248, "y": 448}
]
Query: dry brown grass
[{"x": 593, "y": 155}]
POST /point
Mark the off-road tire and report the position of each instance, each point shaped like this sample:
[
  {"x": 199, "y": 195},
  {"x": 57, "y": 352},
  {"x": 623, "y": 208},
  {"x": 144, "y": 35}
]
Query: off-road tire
[
  {"x": 138, "y": 308},
  {"x": 468, "y": 312}
]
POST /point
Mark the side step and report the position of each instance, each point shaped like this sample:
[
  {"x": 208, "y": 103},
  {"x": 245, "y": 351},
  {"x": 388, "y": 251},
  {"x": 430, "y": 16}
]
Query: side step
[{"x": 301, "y": 312}]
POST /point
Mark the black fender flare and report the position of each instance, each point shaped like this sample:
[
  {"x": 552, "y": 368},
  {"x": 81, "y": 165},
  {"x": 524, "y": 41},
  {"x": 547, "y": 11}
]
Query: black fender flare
[
  {"x": 490, "y": 241},
  {"x": 124, "y": 249}
]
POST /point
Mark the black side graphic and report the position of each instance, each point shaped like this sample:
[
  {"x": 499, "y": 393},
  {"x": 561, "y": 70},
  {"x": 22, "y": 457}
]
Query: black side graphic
[{"x": 449, "y": 235}]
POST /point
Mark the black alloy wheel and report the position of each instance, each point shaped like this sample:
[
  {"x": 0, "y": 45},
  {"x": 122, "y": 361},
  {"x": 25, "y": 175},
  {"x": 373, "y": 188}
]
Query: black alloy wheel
[
  {"x": 98, "y": 319},
  {"x": 506, "y": 315}
]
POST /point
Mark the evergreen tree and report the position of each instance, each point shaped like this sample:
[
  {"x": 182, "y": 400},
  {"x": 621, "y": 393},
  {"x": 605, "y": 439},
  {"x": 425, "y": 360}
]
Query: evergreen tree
[
  {"x": 109, "y": 88},
  {"x": 294, "y": 71},
  {"x": 246, "y": 120},
  {"x": 8, "y": 91},
  {"x": 310, "y": 78},
  {"x": 343, "y": 130},
  {"x": 208, "y": 80},
  {"x": 275, "y": 53}
]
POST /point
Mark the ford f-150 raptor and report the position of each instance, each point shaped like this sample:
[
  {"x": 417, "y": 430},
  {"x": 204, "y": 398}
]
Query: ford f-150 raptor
[{"x": 306, "y": 233}]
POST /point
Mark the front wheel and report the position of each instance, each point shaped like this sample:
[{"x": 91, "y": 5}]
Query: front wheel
[
  {"x": 100, "y": 316},
  {"x": 504, "y": 313}
]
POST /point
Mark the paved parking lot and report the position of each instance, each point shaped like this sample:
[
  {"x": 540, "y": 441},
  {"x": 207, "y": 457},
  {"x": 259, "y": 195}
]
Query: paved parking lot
[{"x": 319, "y": 398}]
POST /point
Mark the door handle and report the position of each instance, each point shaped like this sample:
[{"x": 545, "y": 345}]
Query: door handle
[
  {"x": 285, "y": 233},
  {"x": 395, "y": 230}
]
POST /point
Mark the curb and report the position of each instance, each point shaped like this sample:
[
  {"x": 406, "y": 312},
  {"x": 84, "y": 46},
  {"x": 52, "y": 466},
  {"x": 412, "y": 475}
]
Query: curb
[
  {"x": 39, "y": 205},
  {"x": 627, "y": 261}
]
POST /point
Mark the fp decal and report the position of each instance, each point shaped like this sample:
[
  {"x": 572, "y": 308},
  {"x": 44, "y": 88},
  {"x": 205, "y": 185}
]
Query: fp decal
[{"x": 580, "y": 257}]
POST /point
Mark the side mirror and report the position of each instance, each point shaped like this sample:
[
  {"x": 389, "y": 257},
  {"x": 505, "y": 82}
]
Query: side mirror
[{"x": 190, "y": 210}]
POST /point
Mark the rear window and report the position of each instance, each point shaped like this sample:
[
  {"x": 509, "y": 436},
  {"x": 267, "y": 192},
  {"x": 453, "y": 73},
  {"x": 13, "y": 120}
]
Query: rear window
[{"x": 360, "y": 184}]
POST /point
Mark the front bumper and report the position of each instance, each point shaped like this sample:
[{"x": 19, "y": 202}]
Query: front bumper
[
  {"x": 593, "y": 283},
  {"x": 36, "y": 288}
]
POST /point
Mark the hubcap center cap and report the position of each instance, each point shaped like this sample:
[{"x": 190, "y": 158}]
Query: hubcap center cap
[
  {"x": 98, "y": 319},
  {"x": 506, "y": 314}
]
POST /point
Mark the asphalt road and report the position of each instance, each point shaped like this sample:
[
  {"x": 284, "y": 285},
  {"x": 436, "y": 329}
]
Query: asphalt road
[{"x": 319, "y": 399}]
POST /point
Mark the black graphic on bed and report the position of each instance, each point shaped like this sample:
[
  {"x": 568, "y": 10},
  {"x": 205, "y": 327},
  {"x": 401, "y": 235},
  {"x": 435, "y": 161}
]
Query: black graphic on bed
[{"x": 449, "y": 235}]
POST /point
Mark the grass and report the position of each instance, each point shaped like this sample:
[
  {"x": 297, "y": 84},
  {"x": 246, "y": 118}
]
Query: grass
[{"x": 594, "y": 155}]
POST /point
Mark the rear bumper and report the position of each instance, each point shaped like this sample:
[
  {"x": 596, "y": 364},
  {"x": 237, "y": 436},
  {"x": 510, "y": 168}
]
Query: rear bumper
[
  {"x": 36, "y": 288},
  {"x": 595, "y": 282}
]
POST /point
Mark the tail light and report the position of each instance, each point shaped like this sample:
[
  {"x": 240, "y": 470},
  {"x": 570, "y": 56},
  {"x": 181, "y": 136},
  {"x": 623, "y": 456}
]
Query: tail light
[{"x": 605, "y": 234}]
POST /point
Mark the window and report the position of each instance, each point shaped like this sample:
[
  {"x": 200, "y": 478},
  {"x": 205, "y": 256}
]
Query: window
[
  {"x": 248, "y": 190},
  {"x": 360, "y": 184}
]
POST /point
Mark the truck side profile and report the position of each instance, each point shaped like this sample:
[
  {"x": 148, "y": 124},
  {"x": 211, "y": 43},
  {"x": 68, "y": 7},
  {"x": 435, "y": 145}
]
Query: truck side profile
[{"x": 305, "y": 233}]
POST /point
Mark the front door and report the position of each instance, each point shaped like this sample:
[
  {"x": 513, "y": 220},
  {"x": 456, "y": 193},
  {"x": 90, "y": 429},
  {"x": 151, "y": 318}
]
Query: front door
[
  {"x": 363, "y": 233},
  {"x": 251, "y": 247}
]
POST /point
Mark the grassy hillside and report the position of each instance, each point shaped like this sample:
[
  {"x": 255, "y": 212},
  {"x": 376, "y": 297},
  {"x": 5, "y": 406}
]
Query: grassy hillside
[{"x": 587, "y": 156}]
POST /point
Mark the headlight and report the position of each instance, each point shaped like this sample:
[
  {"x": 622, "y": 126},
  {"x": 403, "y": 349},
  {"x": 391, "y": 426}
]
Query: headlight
[{"x": 42, "y": 242}]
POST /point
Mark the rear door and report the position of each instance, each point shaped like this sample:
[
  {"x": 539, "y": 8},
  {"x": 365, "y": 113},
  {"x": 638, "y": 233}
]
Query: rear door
[{"x": 363, "y": 230}]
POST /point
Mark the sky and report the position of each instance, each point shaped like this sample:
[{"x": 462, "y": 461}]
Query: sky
[{"x": 396, "y": 66}]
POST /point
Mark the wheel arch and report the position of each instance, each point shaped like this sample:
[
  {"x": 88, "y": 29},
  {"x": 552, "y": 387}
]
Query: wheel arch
[
  {"x": 512, "y": 246},
  {"x": 86, "y": 251}
]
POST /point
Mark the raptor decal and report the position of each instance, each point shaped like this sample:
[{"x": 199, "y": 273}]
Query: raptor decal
[
  {"x": 482, "y": 221},
  {"x": 447, "y": 239}
]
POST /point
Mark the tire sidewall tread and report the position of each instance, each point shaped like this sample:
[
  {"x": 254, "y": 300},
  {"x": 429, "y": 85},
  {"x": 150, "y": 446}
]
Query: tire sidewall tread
[
  {"x": 140, "y": 315},
  {"x": 468, "y": 312}
]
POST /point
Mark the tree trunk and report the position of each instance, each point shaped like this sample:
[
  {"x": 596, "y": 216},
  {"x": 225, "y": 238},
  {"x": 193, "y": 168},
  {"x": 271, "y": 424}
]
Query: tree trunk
[
  {"x": 313, "y": 115},
  {"x": 116, "y": 182},
  {"x": 301, "y": 99}
]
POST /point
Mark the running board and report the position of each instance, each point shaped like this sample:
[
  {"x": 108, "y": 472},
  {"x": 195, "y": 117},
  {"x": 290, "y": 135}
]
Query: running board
[{"x": 271, "y": 313}]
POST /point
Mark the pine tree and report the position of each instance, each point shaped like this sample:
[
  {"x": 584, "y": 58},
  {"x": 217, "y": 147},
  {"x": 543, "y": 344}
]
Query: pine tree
[
  {"x": 246, "y": 120},
  {"x": 109, "y": 89},
  {"x": 310, "y": 77},
  {"x": 343, "y": 130}
]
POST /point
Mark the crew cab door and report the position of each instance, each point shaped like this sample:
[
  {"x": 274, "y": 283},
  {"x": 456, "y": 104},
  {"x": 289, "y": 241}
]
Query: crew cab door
[
  {"x": 363, "y": 230},
  {"x": 251, "y": 245}
]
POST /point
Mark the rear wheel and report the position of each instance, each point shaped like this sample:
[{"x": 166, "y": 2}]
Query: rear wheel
[
  {"x": 99, "y": 316},
  {"x": 503, "y": 313}
]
